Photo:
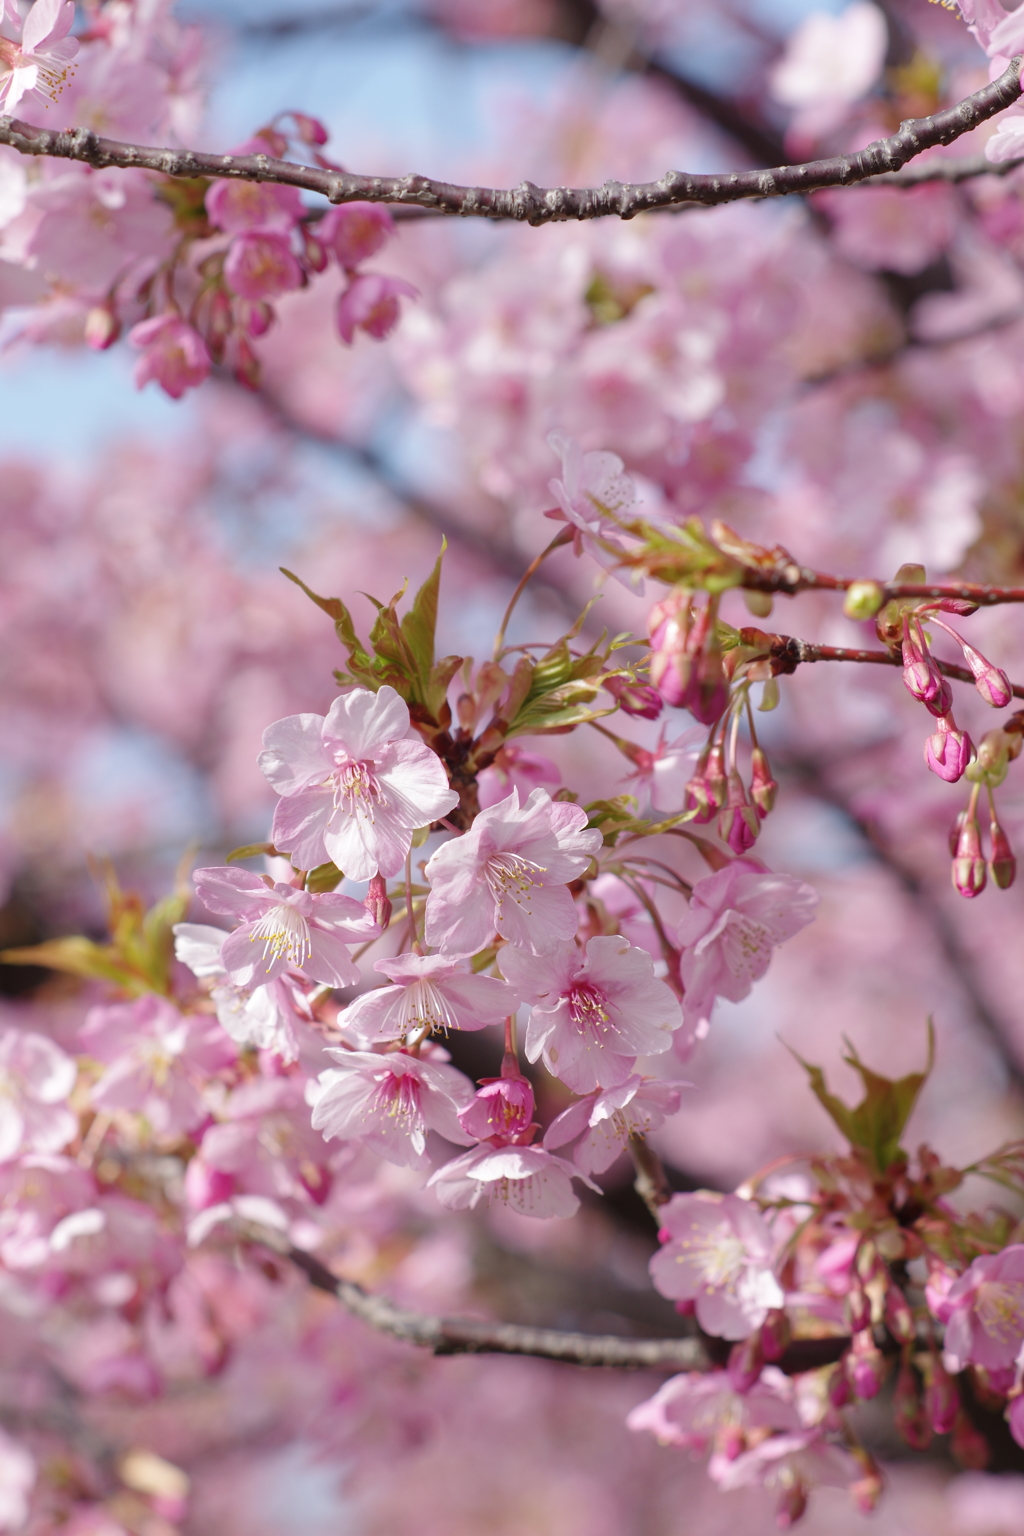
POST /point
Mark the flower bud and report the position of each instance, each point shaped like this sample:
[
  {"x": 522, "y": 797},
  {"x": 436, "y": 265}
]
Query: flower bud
[
  {"x": 792, "y": 1506},
  {"x": 255, "y": 317},
  {"x": 858, "y": 1308},
  {"x": 746, "y": 1361},
  {"x": 776, "y": 1334},
  {"x": 738, "y": 822},
  {"x": 991, "y": 681},
  {"x": 1002, "y": 865},
  {"x": 759, "y": 604},
  {"x": 908, "y": 1410},
  {"x": 102, "y": 327},
  {"x": 867, "y": 1490},
  {"x": 921, "y": 676},
  {"x": 376, "y": 901},
  {"x": 969, "y": 873},
  {"x": 991, "y": 760},
  {"x": 898, "y": 1317},
  {"x": 314, "y": 252},
  {"x": 763, "y": 787},
  {"x": 968, "y": 1445},
  {"x": 635, "y": 698},
  {"x": 310, "y": 129},
  {"x": 941, "y": 1400},
  {"x": 840, "y": 1393},
  {"x": 686, "y": 657},
  {"x": 247, "y": 365},
  {"x": 948, "y": 750},
  {"x": 865, "y": 1366},
  {"x": 863, "y": 599},
  {"x": 769, "y": 695}
]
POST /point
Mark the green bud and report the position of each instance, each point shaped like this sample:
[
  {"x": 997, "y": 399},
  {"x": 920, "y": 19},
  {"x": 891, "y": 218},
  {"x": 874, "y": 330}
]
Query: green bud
[
  {"x": 770, "y": 694},
  {"x": 758, "y": 603},
  {"x": 863, "y": 600}
]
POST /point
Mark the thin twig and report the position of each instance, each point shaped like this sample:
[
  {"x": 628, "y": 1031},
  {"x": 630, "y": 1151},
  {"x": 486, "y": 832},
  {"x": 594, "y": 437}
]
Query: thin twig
[
  {"x": 787, "y": 653},
  {"x": 528, "y": 203}
]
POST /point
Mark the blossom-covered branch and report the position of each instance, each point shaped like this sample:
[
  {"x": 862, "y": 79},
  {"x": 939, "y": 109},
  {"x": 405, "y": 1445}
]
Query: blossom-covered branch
[{"x": 528, "y": 203}]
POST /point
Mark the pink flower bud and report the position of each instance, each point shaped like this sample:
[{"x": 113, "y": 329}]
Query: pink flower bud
[
  {"x": 858, "y": 1309},
  {"x": 376, "y": 901},
  {"x": 763, "y": 787},
  {"x": 991, "y": 681},
  {"x": 502, "y": 1107},
  {"x": 920, "y": 674},
  {"x": 247, "y": 365},
  {"x": 738, "y": 822},
  {"x": 775, "y": 1335},
  {"x": 969, "y": 873},
  {"x": 865, "y": 1366},
  {"x": 310, "y": 129},
  {"x": 260, "y": 264},
  {"x": 102, "y": 327},
  {"x": 867, "y": 1490},
  {"x": 355, "y": 231},
  {"x": 969, "y": 1446},
  {"x": 686, "y": 658},
  {"x": 1002, "y": 864},
  {"x": 792, "y": 1506},
  {"x": 936, "y": 1292},
  {"x": 175, "y": 354},
  {"x": 220, "y": 322},
  {"x": 255, "y": 319},
  {"x": 941, "y": 1400},
  {"x": 314, "y": 253},
  {"x": 840, "y": 1393},
  {"x": 635, "y": 698},
  {"x": 746, "y": 1362},
  {"x": 948, "y": 750},
  {"x": 908, "y": 1410},
  {"x": 898, "y": 1317},
  {"x": 370, "y": 304}
]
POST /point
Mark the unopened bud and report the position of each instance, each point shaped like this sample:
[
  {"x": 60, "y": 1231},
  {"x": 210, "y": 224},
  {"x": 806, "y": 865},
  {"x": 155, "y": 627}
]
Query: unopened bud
[
  {"x": 898, "y": 1317},
  {"x": 867, "y": 1490},
  {"x": 840, "y": 1393},
  {"x": 921, "y": 676},
  {"x": 908, "y": 1410},
  {"x": 102, "y": 327},
  {"x": 376, "y": 901},
  {"x": 310, "y": 129},
  {"x": 1002, "y": 865},
  {"x": 769, "y": 694},
  {"x": 865, "y": 1366},
  {"x": 948, "y": 750},
  {"x": 968, "y": 1445},
  {"x": 314, "y": 251},
  {"x": 746, "y": 1361},
  {"x": 776, "y": 1333},
  {"x": 635, "y": 698},
  {"x": 792, "y": 1506},
  {"x": 254, "y": 316},
  {"x": 247, "y": 365},
  {"x": 969, "y": 874},
  {"x": 863, "y": 600},
  {"x": 759, "y": 604},
  {"x": 991, "y": 681},
  {"x": 941, "y": 1400},
  {"x": 992, "y": 759},
  {"x": 858, "y": 1308},
  {"x": 763, "y": 787},
  {"x": 738, "y": 821}
]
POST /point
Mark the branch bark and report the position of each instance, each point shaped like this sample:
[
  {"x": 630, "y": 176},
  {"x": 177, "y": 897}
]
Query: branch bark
[
  {"x": 787, "y": 653},
  {"x": 467, "y": 1336},
  {"x": 528, "y": 203}
]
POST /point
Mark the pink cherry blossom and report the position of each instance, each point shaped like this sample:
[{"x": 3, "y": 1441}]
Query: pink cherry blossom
[
  {"x": 508, "y": 874},
  {"x": 594, "y": 1010},
  {"x": 694, "y": 1411},
  {"x": 526, "y": 1179},
  {"x": 156, "y": 1058},
  {"x": 501, "y": 1111},
  {"x": 355, "y": 785},
  {"x": 39, "y": 62},
  {"x": 36, "y": 1077},
  {"x": 736, "y": 918},
  {"x": 370, "y": 304},
  {"x": 260, "y": 264},
  {"x": 355, "y": 231},
  {"x": 717, "y": 1253},
  {"x": 17, "y": 1473},
  {"x": 284, "y": 928},
  {"x": 515, "y": 768},
  {"x": 607, "y": 1120},
  {"x": 389, "y": 1103},
  {"x": 175, "y": 354},
  {"x": 263, "y": 1145},
  {"x": 36, "y": 1194},
  {"x": 432, "y": 993},
  {"x": 829, "y": 63},
  {"x": 594, "y": 495},
  {"x": 789, "y": 1465},
  {"x": 269, "y": 1017},
  {"x": 985, "y": 1312},
  {"x": 236, "y": 206}
]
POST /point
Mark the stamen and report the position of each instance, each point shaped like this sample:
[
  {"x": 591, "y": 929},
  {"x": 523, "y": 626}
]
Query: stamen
[
  {"x": 587, "y": 1008},
  {"x": 284, "y": 932},
  {"x": 509, "y": 874},
  {"x": 356, "y": 790}
]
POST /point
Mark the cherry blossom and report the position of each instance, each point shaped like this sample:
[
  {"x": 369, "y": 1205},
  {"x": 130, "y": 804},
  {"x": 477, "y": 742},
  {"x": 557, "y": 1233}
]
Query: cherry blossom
[
  {"x": 269, "y": 1017},
  {"x": 526, "y": 1179},
  {"x": 156, "y": 1060},
  {"x": 790, "y": 1466},
  {"x": 694, "y": 1411},
  {"x": 175, "y": 354},
  {"x": 717, "y": 1253},
  {"x": 736, "y": 918},
  {"x": 594, "y": 1010},
  {"x": 508, "y": 874},
  {"x": 985, "y": 1312},
  {"x": 354, "y": 784},
  {"x": 355, "y": 232},
  {"x": 17, "y": 1470},
  {"x": 432, "y": 994},
  {"x": 284, "y": 928},
  {"x": 389, "y": 1103},
  {"x": 37, "y": 63},
  {"x": 829, "y": 63},
  {"x": 593, "y": 495},
  {"x": 237, "y": 206},
  {"x": 501, "y": 1111},
  {"x": 260, "y": 264},
  {"x": 515, "y": 768},
  {"x": 370, "y": 304},
  {"x": 607, "y": 1120},
  {"x": 36, "y": 1078}
]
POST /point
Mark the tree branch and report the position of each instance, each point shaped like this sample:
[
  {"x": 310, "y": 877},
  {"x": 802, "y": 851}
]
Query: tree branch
[
  {"x": 528, "y": 203},
  {"x": 467, "y": 1336},
  {"x": 951, "y": 171},
  {"x": 787, "y": 653}
]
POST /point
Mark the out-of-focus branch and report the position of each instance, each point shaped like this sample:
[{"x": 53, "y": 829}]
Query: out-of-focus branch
[
  {"x": 467, "y": 1336},
  {"x": 528, "y": 203},
  {"x": 953, "y": 171},
  {"x": 651, "y": 1183}
]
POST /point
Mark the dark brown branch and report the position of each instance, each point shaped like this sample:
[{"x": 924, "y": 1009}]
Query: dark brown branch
[
  {"x": 528, "y": 203},
  {"x": 951, "y": 171},
  {"x": 466, "y": 1336},
  {"x": 787, "y": 653},
  {"x": 788, "y": 577}
]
